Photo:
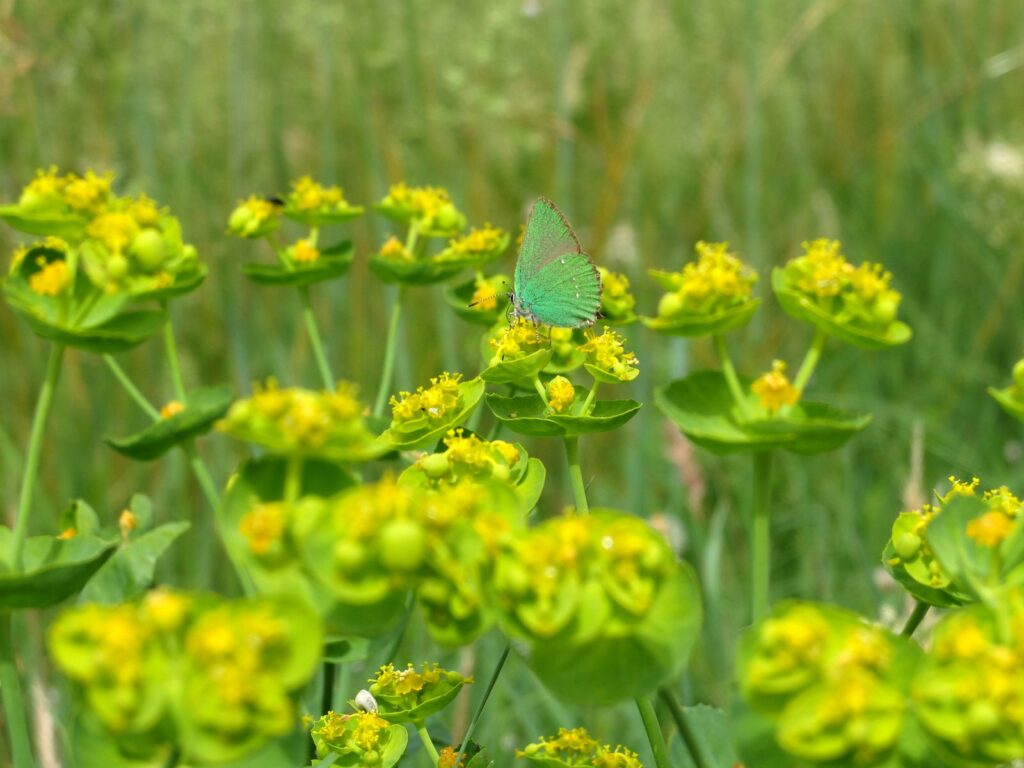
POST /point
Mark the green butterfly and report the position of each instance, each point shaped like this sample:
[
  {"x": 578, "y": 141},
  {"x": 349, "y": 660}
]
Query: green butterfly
[{"x": 556, "y": 283}]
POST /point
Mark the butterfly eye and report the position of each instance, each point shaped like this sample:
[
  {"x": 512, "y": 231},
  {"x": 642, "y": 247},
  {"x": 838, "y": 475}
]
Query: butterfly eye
[{"x": 365, "y": 701}]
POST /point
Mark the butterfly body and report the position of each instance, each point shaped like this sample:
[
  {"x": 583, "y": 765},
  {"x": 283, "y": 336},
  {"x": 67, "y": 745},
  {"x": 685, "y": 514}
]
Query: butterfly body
[{"x": 556, "y": 283}]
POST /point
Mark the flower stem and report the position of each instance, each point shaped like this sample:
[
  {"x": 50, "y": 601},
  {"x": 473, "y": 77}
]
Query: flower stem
[
  {"x": 428, "y": 743},
  {"x": 685, "y": 731},
  {"x": 293, "y": 479},
  {"x": 35, "y": 448},
  {"x": 483, "y": 702},
  {"x": 729, "y": 371},
  {"x": 314, "y": 338},
  {"x": 591, "y": 396},
  {"x": 579, "y": 490},
  {"x": 915, "y": 618},
  {"x": 130, "y": 388},
  {"x": 13, "y": 701},
  {"x": 172, "y": 360},
  {"x": 389, "y": 355},
  {"x": 761, "y": 547},
  {"x": 537, "y": 385},
  {"x": 653, "y": 729},
  {"x": 810, "y": 360}
]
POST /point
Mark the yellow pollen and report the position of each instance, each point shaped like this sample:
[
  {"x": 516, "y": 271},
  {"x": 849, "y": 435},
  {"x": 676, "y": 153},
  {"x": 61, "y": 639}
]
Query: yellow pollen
[{"x": 774, "y": 389}]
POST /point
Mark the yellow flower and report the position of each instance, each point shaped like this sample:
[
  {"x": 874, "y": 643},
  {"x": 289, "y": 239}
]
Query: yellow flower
[
  {"x": 616, "y": 298},
  {"x": 165, "y": 608},
  {"x": 561, "y": 394},
  {"x": 46, "y": 184},
  {"x": 435, "y": 401},
  {"x": 485, "y": 298},
  {"x": 173, "y": 408},
  {"x": 367, "y": 733},
  {"x": 718, "y": 279},
  {"x": 520, "y": 339},
  {"x": 263, "y": 526},
  {"x": 468, "y": 450},
  {"x": 826, "y": 270},
  {"x": 143, "y": 209},
  {"x": 88, "y": 193},
  {"x": 870, "y": 281},
  {"x": 476, "y": 241},
  {"x": 115, "y": 229},
  {"x": 304, "y": 251},
  {"x": 67, "y": 533},
  {"x": 127, "y": 522},
  {"x": 309, "y": 195},
  {"x": 991, "y": 529},
  {"x": 774, "y": 389},
  {"x": 253, "y": 216},
  {"x": 51, "y": 279},
  {"x": 447, "y": 756},
  {"x": 393, "y": 249},
  {"x": 607, "y": 352},
  {"x": 962, "y": 487}
]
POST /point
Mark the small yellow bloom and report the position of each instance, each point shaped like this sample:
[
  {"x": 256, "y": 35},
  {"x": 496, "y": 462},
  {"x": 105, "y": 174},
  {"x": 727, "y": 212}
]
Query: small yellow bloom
[
  {"x": 367, "y": 733},
  {"x": 476, "y": 241},
  {"x": 263, "y": 526},
  {"x": 51, "y": 279},
  {"x": 253, "y": 216},
  {"x": 991, "y": 529},
  {"x": 962, "y": 487},
  {"x": 485, "y": 298},
  {"x": 309, "y": 195},
  {"x": 561, "y": 394},
  {"x": 608, "y": 353},
  {"x": 468, "y": 450},
  {"x": 173, "y": 408},
  {"x": 774, "y": 389},
  {"x": 393, "y": 249},
  {"x": 127, "y": 522},
  {"x": 46, "y": 184},
  {"x": 144, "y": 210},
  {"x": 67, "y": 533},
  {"x": 827, "y": 270},
  {"x": 115, "y": 229},
  {"x": 520, "y": 339},
  {"x": 435, "y": 401},
  {"x": 870, "y": 281},
  {"x": 88, "y": 193},
  {"x": 165, "y": 608},
  {"x": 305, "y": 252}
]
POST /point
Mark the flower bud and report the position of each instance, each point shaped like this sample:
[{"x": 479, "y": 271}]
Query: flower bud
[
  {"x": 906, "y": 545},
  {"x": 402, "y": 545},
  {"x": 434, "y": 465},
  {"x": 670, "y": 304},
  {"x": 349, "y": 556},
  {"x": 149, "y": 249}
]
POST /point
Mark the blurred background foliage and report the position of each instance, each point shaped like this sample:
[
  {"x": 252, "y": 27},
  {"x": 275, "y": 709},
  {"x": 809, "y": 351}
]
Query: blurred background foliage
[{"x": 897, "y": 127}]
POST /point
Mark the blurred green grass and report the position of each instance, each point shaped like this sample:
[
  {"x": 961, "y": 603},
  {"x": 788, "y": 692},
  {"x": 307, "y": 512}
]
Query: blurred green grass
[{"x": 653, "y": 124}]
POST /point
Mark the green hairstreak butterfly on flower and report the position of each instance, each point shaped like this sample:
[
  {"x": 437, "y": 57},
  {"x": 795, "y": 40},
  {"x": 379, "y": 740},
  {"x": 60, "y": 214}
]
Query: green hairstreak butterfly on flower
[{"x": 556, "y": 283}]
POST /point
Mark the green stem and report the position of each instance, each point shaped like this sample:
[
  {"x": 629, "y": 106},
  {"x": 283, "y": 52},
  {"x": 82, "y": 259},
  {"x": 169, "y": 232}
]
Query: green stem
[
  {"x": 914, "y": 620},
  {"x": 579, "y": 490},
  {"x": 591, "y": 396},
  {"x": 389, "y": 355},
  {"x": 537, "y": 385},
  {"x": 729, "y": 371},
  {"x": 314, "y": 338},
  {"x": 130, "y": 388},
  {"x": 761, "y": 534},
  {"x": 810, "y": 360},
  {"x": 471, "y": 728},
  {"x": 172, "y": 360},
  {"x": 35, "y": 449},
  {"x": 653, "y": 729},
  {"x": 13, "y": 701},
  {"x": 293, "y": 479},
  {"x": 685, "y": 731},
  {"x": 428, "y": 744}
]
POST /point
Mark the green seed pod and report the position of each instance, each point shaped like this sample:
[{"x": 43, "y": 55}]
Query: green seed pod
[
  {"x": 402, "y": 545},
  {"x": 434, "y": 465},
  {"x": 670, "y": 304},
  {"x": 907, "y": 545},
  {"x": 349, "y": 556},
  {"x": 1018, "y": 374},
  {"x": 117, "y": 267},
  {"x": 885, "y": 308},
  {"x": 500, "y": 472},
  {"x": 240, "y": 218},
  {"x": 447, "y": 217},
  {"x": 982, "y": 717},
  {"x": 149, "y": 250}
]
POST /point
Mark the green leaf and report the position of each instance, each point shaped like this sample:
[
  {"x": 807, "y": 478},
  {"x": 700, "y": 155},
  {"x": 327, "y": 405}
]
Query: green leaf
[
  {"x": 693, "y": 326},
  {"x": 1010, "y": 401},
  {"x": 941, "y": 598},
  {"x": 184, "y": 282},
  {"x": 625, "y": 661},
  {"x": 966, "y": 562},
  {"x": 204, "y": 407},
  {"x": 518, "y": 370},
  {"x": 333, "y": 263},
  {"x": 130, "y": 571},
  {"x": 713, "y": 732},
  {"x": 425, "y": 271},
  {"x": 802, "y": 307},
  {"x": 54, "y": 569},
  {"x": 66, "y": 225},
  {"x": 703, "y": 408},
  {"x": 527, "y": 415}
]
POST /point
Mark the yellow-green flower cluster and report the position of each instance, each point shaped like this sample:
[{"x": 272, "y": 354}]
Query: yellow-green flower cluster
[
  {"x": 577, "y": 748},
  {"x": 561, "y": 394},
  {"x": 607, "y": 353},
  {"x": 969, "y": 693},
  {"x": 309, "y": 196},
  {"x": 235, "y": 663},
  {"x": 617, "y": 301},
  {"x": 363, "y": 736},
  {"x": 774, "y": 389},
  {"x": 255, "y": 217},
  {"x": 716, "y": 281},
  {"x": 828, "y": 681},
  {"x": 541, "y": 579},
  {"x": 858, "y": 295},
  {"x": 302, "y": 422},
  {"x": 467, "y": 455},
  {"x": 430, "y": 404},
  {"x": 71, "y": 193},
  {"x": 518, "y": 340},
  {"x": 429, "y": 209},
  {"x": 476, "y": 243},
  {"x": 412, "y": 695}
]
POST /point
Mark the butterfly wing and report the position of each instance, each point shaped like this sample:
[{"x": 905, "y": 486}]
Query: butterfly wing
[
  {"x": 548, "y": 237},
  {"x": 565, "y": 292}
]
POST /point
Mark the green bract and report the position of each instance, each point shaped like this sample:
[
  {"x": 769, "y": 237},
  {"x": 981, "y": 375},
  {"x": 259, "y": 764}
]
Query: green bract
[
  {"x": 703, "y": 408},
  {"x": 235, "y": 665},
  {"x": 205, "y": 406},
  {"x": 607, "y": 610},
  {"x": 54, "y": 568},
  {"x": 420, "y": 418},
  {"x": 410, "y": 695},
  {"x": 332, "y": 262},
  {"x": 830, "y": 317},
  {"x": 681, "y": 323},
  {"x": 304, "y": 423},
  {"x": 529, "y": 415}
]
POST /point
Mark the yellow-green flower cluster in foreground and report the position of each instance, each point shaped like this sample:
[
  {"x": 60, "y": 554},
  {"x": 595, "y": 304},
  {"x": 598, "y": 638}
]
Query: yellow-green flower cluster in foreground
[
  {"x": 716, "y": 281},
  {"x": 575, "y": 748},
  {"x": 234, "y": 664}
]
